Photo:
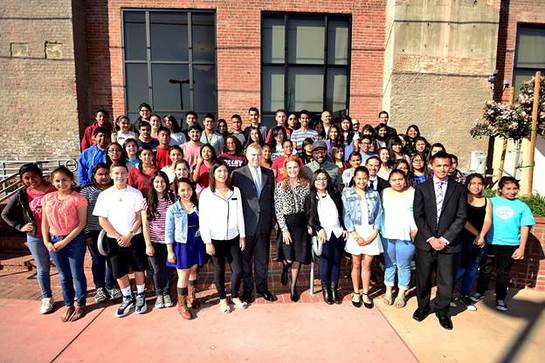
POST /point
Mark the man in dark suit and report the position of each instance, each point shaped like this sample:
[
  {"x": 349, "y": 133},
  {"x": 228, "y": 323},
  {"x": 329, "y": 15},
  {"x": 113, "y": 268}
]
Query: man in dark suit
[
  {"x": 440, "y": 215},
  {"x": 376, "y": 182},
  {"x": 256, "y": 186}
]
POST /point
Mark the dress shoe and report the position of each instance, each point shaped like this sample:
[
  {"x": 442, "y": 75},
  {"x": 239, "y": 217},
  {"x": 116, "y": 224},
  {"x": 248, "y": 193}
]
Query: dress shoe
[
  {"x": 326, "y": 291},
  {"x": 284, "y": 274},
  {"x": 445, "y": 321},
  {"x": 335, "y": 295},
  {"x": 267, "y": 295},
  {"x": 294, "y": 295},
  {"x": 247, "y": 297},
  {"x": 420, "y": 315}
]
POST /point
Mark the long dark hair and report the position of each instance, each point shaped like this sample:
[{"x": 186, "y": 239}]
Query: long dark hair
[
  {"x": 153, "y": 198},
  {"x": 359, "y": 169},
  {"x": 249, "y": 138},
  {"x": 330, "y": 186},
  {"x": 238, "y": 144},
  {"x": 64, "y": 171},
  {"x": 214, "y": 155},
  {"x": 175, "y": 126},
  {"x": 274, "y": 132},
  {"x": 123, "y": 158},
  {"x": 95, "y": 170},
  {"x": 339, "y": 139},
  {"x": 194, "y": 198},
  {"x": 212, "y": 181}
]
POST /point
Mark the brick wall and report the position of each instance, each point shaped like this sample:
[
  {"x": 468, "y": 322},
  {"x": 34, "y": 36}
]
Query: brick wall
[
  {"x": 530, "y": 272},
  {"x": 38, "y": 89},
  {"x": 239, "y": 50},
  {"x": 513, "y": 12}
]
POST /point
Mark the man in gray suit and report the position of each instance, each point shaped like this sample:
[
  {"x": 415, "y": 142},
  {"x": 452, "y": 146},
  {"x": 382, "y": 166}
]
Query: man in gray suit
[{"x": 256, "y": 186}]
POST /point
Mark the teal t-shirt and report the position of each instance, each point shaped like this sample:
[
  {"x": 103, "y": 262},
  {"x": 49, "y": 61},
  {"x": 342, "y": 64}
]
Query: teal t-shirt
[{"x": 507, "y": 218}]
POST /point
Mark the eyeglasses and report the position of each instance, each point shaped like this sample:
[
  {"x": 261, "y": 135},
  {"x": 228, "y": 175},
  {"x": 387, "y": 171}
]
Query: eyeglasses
[{"x": 321, "y": 179}]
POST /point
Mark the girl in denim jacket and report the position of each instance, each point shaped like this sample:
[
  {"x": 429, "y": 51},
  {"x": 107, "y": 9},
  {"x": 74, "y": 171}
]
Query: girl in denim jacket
[
  {"x": 362, "y": 219},
  {"x": 184, "y": 245}
]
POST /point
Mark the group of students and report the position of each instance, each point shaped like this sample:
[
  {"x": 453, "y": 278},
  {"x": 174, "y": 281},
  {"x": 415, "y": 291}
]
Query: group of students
[{"x": 165, "y": 198}]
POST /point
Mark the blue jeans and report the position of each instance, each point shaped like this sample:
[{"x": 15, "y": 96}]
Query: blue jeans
[
  {"x": 101, "y": 266},
  {"x": 468, "y": 265},
  {"x": 397, "y": 256},
  {"x": 41, "y": 258},
  {"x": 330, "y": 259},
  {"x": 69, "y": 262}
]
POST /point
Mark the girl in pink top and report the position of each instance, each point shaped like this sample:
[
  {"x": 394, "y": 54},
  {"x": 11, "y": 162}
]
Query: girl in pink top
[{"x": 64, "y": 216}]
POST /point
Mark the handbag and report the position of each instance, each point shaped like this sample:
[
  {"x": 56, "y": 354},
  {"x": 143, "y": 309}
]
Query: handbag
[{"x": 316, "y": 246}]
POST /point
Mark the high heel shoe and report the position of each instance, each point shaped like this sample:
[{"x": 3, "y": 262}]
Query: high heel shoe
[
  {"x": 294, "y": 295},
  {"x": 356, "y": 299},
  {"x": 284, "y": 274},
  {"x": 367, "y": 301}
]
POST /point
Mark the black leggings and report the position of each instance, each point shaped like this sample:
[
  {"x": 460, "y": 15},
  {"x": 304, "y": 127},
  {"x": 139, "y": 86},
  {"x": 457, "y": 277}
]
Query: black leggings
[
  {"x": 227, "y": 251},
  {"x": 160, "y": 272},
  {"x": 500, "y": 257}
]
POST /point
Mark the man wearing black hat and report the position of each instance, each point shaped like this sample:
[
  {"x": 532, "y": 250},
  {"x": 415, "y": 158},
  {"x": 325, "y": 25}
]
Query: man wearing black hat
[{"x": 319, "y": 161}]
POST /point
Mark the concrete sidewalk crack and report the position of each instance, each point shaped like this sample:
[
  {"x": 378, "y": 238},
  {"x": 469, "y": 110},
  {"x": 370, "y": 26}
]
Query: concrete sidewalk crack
[{"x": 77, "y": 336}]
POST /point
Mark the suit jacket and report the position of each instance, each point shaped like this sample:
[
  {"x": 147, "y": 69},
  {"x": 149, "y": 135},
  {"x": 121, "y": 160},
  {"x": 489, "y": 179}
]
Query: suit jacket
[
  {"x": 381, "y": 184},
  {"x": 451, "y": 222},
  {"x": 258, "y": 209}
]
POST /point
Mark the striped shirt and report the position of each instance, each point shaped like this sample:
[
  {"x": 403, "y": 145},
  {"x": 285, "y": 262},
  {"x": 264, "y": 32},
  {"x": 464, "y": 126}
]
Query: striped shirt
[
  {"x": 298, "y": 136},
  {"x": 91, "y": 192},
  {"x": 157, "y": 225}
]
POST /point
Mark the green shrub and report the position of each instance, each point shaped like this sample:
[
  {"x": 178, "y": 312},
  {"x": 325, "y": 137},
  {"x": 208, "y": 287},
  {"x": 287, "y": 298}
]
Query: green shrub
[{"x": 536, "y": 202}]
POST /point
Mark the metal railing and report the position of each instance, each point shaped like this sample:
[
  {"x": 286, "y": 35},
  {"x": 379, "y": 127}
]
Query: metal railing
[{"x": 10, "y": 182}]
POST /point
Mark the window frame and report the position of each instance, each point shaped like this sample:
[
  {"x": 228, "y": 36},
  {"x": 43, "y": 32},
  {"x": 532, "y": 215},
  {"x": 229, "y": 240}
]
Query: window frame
[
  {"x": 286, "y": 65},
  {"x": 149, "y": 62},
  {"x": 516, "y": 53}
]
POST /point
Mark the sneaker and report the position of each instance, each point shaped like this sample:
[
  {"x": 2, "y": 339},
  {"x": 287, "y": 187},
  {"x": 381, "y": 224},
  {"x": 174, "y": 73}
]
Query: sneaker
[
  {"x": 100, "y": 295},
  {"x": 168, "y": 300},
  {"x": 125, "y": 307},
  {"x": 159, "y": 302},
  {"x": 115, "y": 293},
  {"x": 476, "y": 297},
  {"x": 468, "y": 303},
  {"x": 47, "y": 305},
  {"x": 501, "y": 306},
  {"x": 141, "y": 306}
]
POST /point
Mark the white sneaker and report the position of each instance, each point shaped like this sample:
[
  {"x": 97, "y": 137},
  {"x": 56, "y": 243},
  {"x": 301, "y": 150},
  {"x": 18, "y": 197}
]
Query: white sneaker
[
  {"x": 501, "y": 305},
  {"x": 47, "y": 305}
]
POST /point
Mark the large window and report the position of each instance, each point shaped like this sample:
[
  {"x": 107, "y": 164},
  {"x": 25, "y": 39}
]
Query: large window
[
  {"x": 530, "y": 54},
  {"x": 305, "y": 63},
  {"x": 170, "y": 61}
]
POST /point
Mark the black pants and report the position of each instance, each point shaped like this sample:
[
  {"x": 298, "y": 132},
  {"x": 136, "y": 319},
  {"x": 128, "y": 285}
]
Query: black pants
[
  {"x": 227, "y": 251},
  {"x": 256, "y": 253},
  {"x": 158, "y": 264},
  {"x": 330, "y": 260},
  {"x": 499, "y": 256},
  {"x": 445, "y": 266},
  {"x": 123, "y": 259}
]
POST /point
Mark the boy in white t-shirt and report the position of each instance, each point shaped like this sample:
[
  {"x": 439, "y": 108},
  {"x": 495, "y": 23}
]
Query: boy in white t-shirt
[{"x": 120, "y": 209}]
